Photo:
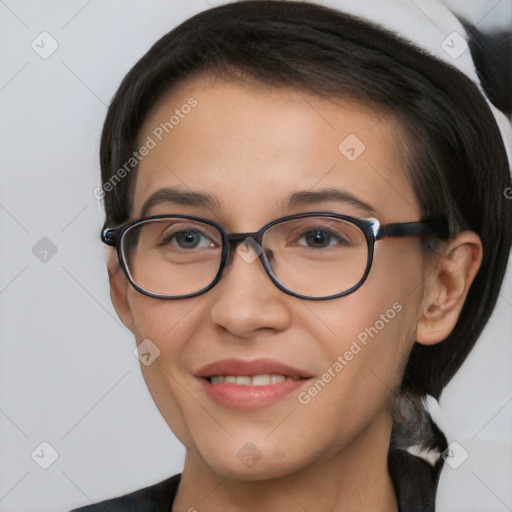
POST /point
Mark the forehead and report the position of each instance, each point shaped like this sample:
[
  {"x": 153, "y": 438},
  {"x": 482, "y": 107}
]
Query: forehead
[{"x": 251, "y": 146}]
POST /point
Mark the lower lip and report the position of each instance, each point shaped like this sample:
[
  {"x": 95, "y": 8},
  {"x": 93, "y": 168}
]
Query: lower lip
[{"x": 250, "y": 397}]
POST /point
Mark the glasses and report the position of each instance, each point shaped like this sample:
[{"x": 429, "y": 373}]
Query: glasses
[{"x": 311, "y": 255}]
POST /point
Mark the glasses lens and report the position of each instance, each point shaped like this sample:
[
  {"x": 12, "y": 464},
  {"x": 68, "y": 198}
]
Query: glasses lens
[
  {"x": 316, "y": 256},
  {"x": 172, "y": 256}
]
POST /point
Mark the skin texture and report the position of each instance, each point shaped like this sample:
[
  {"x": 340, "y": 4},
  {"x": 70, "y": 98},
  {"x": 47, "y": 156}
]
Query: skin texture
[{"x": 251, "y": 147}]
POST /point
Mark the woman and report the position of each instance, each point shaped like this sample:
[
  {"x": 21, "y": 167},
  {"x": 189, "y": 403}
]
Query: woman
[{"x": 308, "y": 232}]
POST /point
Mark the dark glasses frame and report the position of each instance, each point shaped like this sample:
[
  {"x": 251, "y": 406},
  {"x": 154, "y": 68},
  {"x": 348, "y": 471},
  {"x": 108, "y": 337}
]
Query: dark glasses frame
[{"x": 371, "y": 228}]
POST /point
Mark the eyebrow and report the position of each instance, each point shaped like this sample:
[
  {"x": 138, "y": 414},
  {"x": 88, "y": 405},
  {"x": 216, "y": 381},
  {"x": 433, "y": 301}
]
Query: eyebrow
[
  {"x": 177, "y": 196},
  {"x": 302, "y": 198},
  {"x": 331, "y": 194}
]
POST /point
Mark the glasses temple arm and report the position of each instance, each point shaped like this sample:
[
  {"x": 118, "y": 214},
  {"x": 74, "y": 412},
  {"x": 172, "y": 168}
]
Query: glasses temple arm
[{"x": 399, "y": 229}]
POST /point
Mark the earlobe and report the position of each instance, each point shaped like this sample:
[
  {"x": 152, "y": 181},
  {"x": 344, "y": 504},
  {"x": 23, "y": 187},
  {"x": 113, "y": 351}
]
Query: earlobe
[
  {"x": 118, "y": 290},
  {"x": 447, "y": 287}
]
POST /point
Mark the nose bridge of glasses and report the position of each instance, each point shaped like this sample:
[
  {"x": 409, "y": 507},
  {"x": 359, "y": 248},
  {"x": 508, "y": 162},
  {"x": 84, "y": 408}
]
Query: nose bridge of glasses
[{"x": 236, "y": 238}]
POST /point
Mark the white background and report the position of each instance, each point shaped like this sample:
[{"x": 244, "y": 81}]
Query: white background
[{"x": 68, "y": 375}]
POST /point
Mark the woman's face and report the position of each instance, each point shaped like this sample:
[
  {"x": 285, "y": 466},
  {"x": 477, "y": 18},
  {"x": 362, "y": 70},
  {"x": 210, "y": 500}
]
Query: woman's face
[{"x": 251, "y": 149}]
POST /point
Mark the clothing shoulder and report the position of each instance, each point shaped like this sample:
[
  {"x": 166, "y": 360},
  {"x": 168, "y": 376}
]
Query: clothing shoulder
[{"x": 155, "y": 498}]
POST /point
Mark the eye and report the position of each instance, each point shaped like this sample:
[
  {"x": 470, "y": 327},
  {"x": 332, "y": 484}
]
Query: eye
[
  {"x": 321, "y": 238},
  {"x": 187, "y": 239}
]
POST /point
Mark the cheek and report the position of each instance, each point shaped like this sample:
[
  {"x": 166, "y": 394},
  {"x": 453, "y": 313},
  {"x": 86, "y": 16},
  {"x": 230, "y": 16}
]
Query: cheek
[
  {"x": 164, "y": 322},
  {"x": 364, "y": 358},
  {"x": 163, "y": 327},
  {"x": 367, "y": 336}
]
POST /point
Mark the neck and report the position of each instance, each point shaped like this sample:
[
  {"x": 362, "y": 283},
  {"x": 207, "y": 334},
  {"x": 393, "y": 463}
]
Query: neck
[{"x": 352, "y": 479}]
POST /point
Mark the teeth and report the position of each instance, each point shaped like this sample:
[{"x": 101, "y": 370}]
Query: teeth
[
  {"x": 261, "y": 380},
  {"x": 246, "y": 380}
]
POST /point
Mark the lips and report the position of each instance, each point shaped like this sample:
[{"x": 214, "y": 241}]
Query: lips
[
  {"x": 250, "y": 368},
  {"x": 239, "y": 384}
]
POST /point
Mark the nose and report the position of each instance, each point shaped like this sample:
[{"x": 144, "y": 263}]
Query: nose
[{"x": 245, "y": 300}]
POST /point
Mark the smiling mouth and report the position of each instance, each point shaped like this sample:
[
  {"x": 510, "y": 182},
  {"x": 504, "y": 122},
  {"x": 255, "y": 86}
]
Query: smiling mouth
[
  {"x": 250, "y": 391},
  {"x": 250, "y": 384}
]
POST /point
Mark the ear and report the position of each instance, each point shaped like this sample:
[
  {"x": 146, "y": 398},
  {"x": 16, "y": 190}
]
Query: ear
[
  {"x": 119, "y": 286},
  {"x": 447, "y": 287}
]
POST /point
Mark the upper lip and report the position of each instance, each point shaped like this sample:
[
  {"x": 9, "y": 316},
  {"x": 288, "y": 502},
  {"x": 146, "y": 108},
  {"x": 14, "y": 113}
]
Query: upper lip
[{"x": 253, "y": 367}]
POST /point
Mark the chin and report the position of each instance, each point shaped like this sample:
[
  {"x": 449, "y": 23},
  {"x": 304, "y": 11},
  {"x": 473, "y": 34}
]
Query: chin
[
  {"x": 262, "y": 470},
  {"x": 249, "y": 461}
]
